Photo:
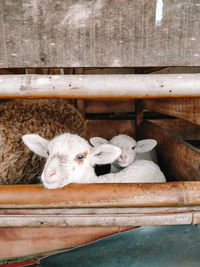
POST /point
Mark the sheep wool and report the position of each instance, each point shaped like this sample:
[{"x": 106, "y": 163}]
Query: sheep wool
[{"x": 48, "y": 118}]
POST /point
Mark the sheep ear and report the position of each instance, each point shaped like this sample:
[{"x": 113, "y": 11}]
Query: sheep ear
[
  {"x": 36, "y": 143},
  {"x": 145, "y": 145},
  {"x": 105, "y": 154},
  {"x": 97, "y": 141}
]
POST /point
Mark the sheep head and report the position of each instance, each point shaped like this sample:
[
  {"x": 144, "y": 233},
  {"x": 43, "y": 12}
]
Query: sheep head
[
  {"x": 70, "y": 158},
  {"x": 128, "y": 146}
]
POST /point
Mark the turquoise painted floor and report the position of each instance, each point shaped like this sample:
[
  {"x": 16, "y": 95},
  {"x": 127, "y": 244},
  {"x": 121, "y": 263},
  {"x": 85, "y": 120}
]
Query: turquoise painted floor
[{"x": 148, "y": 246}]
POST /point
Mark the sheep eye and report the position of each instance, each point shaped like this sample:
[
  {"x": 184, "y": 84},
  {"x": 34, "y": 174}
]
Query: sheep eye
[
  {"x": 79, "y": 157},
  {"x": 48, "y": 153},
  {"x": 133, "y": 147}
]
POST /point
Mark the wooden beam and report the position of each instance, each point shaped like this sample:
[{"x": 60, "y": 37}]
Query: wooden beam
[
  {"x": 126, "y": 33},
  {"x": 125, "y": 220},
  {"x": 104, "y": 217},
  {"x": 177, "y": 156},
  {"x": 101, "y": 195},
  {"x": 100, "y": 86},
  {"x": 184, "y": 108},
  {"x": 180, "y": 128}
]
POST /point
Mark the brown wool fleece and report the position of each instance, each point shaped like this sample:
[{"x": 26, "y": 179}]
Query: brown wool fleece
[{"x": 46, "y": 117}]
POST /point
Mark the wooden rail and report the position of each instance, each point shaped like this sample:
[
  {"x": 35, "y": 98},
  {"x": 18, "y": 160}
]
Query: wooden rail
[
  {"x": 101, "y": 86},
  {"x": 101, "y": 195}
]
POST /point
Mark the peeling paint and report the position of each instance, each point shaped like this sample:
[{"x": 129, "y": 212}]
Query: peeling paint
[{"x": 159, "y": 12}]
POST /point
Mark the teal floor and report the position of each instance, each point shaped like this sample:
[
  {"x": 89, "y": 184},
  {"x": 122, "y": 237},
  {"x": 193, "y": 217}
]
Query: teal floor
[{"x": 145, "y": 246}]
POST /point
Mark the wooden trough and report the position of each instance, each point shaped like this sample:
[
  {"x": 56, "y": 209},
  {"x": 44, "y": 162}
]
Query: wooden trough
[{"x": 117, "y": 63}]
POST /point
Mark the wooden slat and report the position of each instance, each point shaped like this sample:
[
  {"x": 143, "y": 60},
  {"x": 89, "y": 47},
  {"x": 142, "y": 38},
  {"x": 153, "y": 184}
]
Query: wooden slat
[
  {"x": 184, "y": 108},
  {"x": 178, "y": 157},
  {"x": 109, "y": 128},
  {"x": 181, "y": 128},
  {"x": 104, "y": 217},
  {"x": 18, "y": 241},
  {"x": 98, "y": 106},
  {"x": 102, "y": 86},
  {"x": 125, "y": 220},
  {"x": 100, "y": 211},
  {"x": 75, "y": 33},
  {"x": 101, "y": 195}
]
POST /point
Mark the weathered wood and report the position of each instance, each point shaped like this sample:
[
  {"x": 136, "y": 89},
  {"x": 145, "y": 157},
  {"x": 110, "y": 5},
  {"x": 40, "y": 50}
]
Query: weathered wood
[
  {"x": 180, "y": 128},
  {"x": 184, "y": 108},
  {"x": 101, "y": 86},
  {"x": 125, "y": 220},
  {"x": 82, "y": 33},
  {"x": 109, "y": 128},
  {"x": 101, "y": 195},
  {"x": 179, "y": 158},
  {"x": 18, "y": 241},
  {"x": 101, "y": 211},
  {"x": 103, "y": 106},
  {"x": 107, "y": 217}
]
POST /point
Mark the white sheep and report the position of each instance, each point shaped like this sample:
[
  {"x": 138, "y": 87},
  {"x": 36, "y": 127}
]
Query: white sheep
[
  {"x": 46, "y": 117},
  {"x": 131, "y": 150},
  {"x": 71, "y": 159}
]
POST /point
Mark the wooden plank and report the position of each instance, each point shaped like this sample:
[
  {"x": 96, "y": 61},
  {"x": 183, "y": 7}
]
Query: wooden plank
[
  {"x": 109, "y": 128},
  {"x": 178, "y": 157},
  {"x": 100, "y": 211},
  {"x": 125, "y": 220},
  {"x": 93, "y": 217},
  {"x": 180, "y": 128},
  {"x": 101, "y": 195},
  {"x": 99, "y": 106},
  {"x": 102, "y": 86},
  {"x": 18, "y": 241},
  {"x": 184, "y": 108},
  {"x": 82, "y": 33}
]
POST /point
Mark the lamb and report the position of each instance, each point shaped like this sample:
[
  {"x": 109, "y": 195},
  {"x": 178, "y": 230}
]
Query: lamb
[
  {"x": 131, "y": 150},
  {"x": 71, "y": 159},
  {"x": 19, "y": 117}
]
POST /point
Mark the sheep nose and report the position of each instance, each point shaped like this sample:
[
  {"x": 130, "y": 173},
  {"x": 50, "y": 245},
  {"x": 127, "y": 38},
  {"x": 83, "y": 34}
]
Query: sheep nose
[
  {"x": 50, "y": 174},
  {"x": 123, "y": 157}
]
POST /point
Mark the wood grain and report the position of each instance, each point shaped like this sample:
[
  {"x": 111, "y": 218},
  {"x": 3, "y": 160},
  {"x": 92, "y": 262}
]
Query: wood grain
[
  {"x": 101, "y": 195},
  {"x": 180, "y": 128},
  {"x": 19, "y": 241},
  {"x": 184, "y": 108},
  {"x": 175, "y": 155},
  {"x": 99, "y": 33}
]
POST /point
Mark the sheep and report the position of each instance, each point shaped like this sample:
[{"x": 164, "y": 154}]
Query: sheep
[
  {"x": 19, "y": 117},
  {"x": 131, "y": 150},
  {"x": 71, "y": 159}
]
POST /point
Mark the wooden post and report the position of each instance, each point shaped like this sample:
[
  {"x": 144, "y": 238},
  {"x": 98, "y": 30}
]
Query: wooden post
[{"x": 139, "y": 117}]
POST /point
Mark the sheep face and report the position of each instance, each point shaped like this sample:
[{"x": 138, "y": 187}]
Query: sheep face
[
  {"x": 127, "y": 145},
  {"x": 70, "y": 158}
]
